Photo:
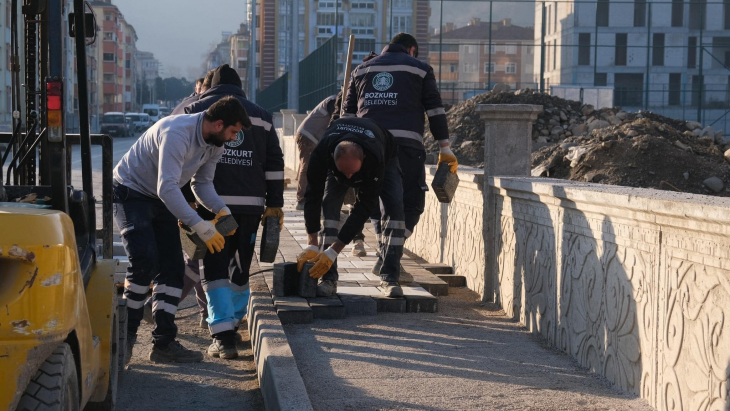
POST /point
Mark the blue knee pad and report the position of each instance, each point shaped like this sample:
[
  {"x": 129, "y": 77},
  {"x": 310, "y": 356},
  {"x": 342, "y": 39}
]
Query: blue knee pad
[
  {"x": 220, "y": 305},
  {"x": 240, "y": 303}
]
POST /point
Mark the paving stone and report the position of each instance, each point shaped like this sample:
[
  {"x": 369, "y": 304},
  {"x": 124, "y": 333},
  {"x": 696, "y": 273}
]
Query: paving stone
[
  {"x": 453, "y": 280},
  {"x": 358, "y": 305},
  {"x": 353, "y": 277},
  {"x": 390, "y": 305},
  {"x": 436, "y": 287},
  {"x": 293, "y": 310},
  {"x": 327, "y": 308},
  {"x": 307, "y": 284},
  {"x": 438, "y": 268},
  {"x": 368, "y": 283},
  {"x": 362, "y": 291},
  {"x": 285, "y": 279},
  {"x": 269, "y": 240},
  {"x": 418, "y": 300}
]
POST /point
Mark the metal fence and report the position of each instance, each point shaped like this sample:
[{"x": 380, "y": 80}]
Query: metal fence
[
  {"x": 670, "y": 57},
  {"x": 317, "y": 79},
  {"x": 274, "y": 97}
]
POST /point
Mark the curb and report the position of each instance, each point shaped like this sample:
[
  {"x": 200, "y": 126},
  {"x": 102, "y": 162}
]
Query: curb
[{"x": 281, "y": 384}]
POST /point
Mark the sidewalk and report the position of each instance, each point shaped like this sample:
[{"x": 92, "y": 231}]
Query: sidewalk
[{"x": 466, "y": 356}]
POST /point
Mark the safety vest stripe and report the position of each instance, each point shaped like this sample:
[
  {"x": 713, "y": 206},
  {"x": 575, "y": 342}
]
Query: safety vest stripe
[
  {"x": 136, "y": 288},
  {"x": 256, "y": 121},
  {"x": 243, "y": 200},
  {"x": 308, "y": 135},
  {"x": 399, "y": 67},
  {"x": 133, "y": 304},
  {"x": 158, "y": 305},
  {"x": 435, "y": 111},
  {"x": 274, "y": 175},
  {"x": 407, "y": 134},
  {"x": 167, "y": 290}
]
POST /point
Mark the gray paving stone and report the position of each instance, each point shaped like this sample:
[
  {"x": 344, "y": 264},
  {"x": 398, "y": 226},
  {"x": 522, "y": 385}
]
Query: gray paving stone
[
  {"x": 438, "y": 268},
  {"x": 358, "y": 305},
  {"x": 390, "y": 305},
  {"x": 286, "y": 280},
  {"x": 418, "y": 300},
  {"x": 269, "y": 240},
  {"x": 307, "y": 284},
  {"x": 327, "y": 308},
  {"x": 293, "y": 310},
  {"x": 453, "y": 280}
]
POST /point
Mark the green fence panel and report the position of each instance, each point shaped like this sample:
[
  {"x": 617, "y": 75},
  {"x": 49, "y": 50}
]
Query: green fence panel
[
  {"x": 317, "y": 76},
  {"x": 276, "y": 96}
]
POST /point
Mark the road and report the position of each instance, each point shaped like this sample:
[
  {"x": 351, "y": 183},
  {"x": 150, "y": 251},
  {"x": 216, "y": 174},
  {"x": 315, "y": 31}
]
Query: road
[{"x": 213, "y": 384}]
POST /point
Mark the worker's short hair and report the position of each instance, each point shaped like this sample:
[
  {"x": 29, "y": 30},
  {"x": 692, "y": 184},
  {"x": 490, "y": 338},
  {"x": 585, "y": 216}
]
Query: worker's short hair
[
  {"x": 349, "y": 149},
  {"x": 230, "y": 110},
  {"x": 199, "y": 81},
  {"x": 208, "y": 80},
  {"x": 405, "y": 40}
]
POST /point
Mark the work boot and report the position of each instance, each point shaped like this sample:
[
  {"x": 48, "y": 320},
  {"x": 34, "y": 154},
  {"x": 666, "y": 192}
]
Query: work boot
[
  {"x": 358, "y": 250},
  {"x": 300, "y": 205},
  {"x": 147, "y": 317},
  {"x": 326, "y": 288},
  {"x": 218, "y": 350},
  {"x": 174, "y": 352},
  {"x": 203, "y": 322},
  {"x": 131, "y": 340},
  {"x": 391, "y": 289},
  {"x": 377, "y": 266}
]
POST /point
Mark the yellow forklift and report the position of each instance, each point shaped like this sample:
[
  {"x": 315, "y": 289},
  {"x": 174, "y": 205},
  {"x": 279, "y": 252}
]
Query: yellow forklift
[{"x": 59, "y": 323}]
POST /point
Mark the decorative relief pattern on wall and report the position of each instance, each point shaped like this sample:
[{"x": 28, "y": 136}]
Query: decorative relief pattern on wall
[{"x": 695, "y": 333}]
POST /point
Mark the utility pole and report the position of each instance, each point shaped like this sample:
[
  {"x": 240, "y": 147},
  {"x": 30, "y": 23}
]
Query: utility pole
[
  {"x": 294, "y": 58},
  {"x": 542, "y": 51},
  {"x": 252, "y": 70}
]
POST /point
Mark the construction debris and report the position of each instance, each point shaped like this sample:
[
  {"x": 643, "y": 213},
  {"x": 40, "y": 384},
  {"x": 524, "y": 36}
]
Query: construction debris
[{"x": 608, "y": 146}]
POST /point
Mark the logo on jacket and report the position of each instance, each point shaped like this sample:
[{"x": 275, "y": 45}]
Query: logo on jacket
[
  {"x": 382, "y": 81},
  {"x": 369, "y": 134},
  {"x": 237, "y": 142}
]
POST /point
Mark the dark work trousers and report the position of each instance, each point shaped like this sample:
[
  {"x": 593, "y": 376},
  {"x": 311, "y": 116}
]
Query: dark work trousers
[
  {"x": 391, "y": 204},
  {"x": 224, "y": 276},
  {"x": 412, "y": 163},
  {"x": 151, "y": 240},
  {"x": 192, "y": 282},
  {"x": 306, "y": 146}
]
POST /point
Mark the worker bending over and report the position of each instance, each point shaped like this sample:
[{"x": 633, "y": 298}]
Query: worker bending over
[
  {"x": 354, "y": 152},
  {"x": 148, "y": 203}
]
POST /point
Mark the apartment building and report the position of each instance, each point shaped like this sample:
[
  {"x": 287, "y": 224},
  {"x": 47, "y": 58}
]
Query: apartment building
[
  {"x": 114, "y": 50},
  {"x": 468, "y": 63},
  {"x": 221, "y": 53},
  {"x": 373, "y": 22},
  {"x": 5, "y": 63},
  {"x": 648, "y": 51},
  {"x": 239, "y": 44},
  {"x": 147, "y": 70}
]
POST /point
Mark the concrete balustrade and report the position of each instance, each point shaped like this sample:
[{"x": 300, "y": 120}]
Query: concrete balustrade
[{"x": 632, "y": 283}]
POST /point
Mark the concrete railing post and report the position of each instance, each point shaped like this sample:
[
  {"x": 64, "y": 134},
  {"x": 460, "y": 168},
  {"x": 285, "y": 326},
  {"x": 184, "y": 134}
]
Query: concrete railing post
[
  {"x": 278, "y": 120},
  {"x": 507, "y": 148},
  {"x": 289, "y": 129}
]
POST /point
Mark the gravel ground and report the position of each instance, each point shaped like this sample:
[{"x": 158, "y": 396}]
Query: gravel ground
[{"x": 213, "y": 384}]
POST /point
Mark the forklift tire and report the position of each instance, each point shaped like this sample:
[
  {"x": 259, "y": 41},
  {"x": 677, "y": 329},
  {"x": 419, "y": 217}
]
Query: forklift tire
[
  {"x": 110, "y": 401},
  {"x": 55, "y": 386}
]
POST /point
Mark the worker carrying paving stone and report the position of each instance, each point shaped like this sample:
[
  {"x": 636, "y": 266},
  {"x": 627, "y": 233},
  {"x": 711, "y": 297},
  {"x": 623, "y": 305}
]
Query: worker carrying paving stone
[
  {"x": 308, "y": 135},
  {"x": 354, "y": 152},
  {"x": 395, "y": 89},
  {"x": 250, "y": 180},
  {"x": 148, "y": 204}
]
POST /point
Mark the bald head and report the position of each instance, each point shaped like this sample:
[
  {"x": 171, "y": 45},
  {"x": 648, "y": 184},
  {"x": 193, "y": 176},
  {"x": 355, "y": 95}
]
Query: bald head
[{"x": 348, "y": 158}]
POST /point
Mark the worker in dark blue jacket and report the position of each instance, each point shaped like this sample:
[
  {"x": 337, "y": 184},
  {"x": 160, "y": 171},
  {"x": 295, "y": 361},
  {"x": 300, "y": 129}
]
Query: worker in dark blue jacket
[
  {"x": 395, "y": 89},
  {"x": 249, "y": 178}
]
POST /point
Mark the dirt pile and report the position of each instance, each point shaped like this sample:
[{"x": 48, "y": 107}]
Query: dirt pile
[{"x": 608, "y": 146}]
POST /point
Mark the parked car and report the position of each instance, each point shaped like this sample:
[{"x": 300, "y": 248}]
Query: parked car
[
  {"x": 144, "y": 122},
  {"x": 138, "y": 122},
  {"x": 153, "y": 110},
  {"x": 114, "y": 124},
  {"x": 164, "y": 111}
]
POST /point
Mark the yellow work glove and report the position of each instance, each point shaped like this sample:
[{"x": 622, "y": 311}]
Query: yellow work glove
[
  {"x": 274, "y": 212},
  {"x": 322, "y": 263},
  {"x": 310, "y": 252},
  {"x": 212, "y": 238},
  {"x": 447, "y": 156},
  {"x": 224, "y": 212}
]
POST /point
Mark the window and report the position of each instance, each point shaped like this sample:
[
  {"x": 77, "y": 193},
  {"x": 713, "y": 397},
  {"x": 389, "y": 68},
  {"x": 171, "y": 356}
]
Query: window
[
  {"x": 657, "y": 51},
  {"x": 108, "y": 98},
  {"x": 108, "y": 35},
  {"x": 107, "y": 16},
  {"x": 128, "y": 64},
  {"x": 362, "y": 19},
  {"x": 510, "y": 68},
  {"x": 678, "y": 13},
  {"x": 600, "y": 79},
  {"x": 639, "y": 13},
  {"x": 403, "y": 4},
  {"x": 328, "y": 19},
  {"x": 469, "y": 68},
  {"x": 726, "y": 4},
  {"x": 555, "y": 54},
  {"x": 621, "y": 42},
  {"x": 402, "y": 24},
  {"x": 602, "y": 13},
  {"x": 109, "y": 57},
  {"x": 365, "y": 6},
  {"x": 510, "y": 49},
  {"x": 453, "y": 68},
  {"x": 468, "y": 49},
  {"x": 555, "y": 17},
  {"x": 364, "y": 45},
  {"x": 241, "y": 64},
  {"x": 692, "y": 52},
  {"x": 548, "y": 20},
  {"x": 697, "y": 13},
  {"x": 675, "y": 89},
  {"x": 584, "y": 49},
  {"x": 490, "y": 50}
]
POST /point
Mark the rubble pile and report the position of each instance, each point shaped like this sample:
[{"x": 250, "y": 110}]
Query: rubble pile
[{"x": 608, "y": 146}]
